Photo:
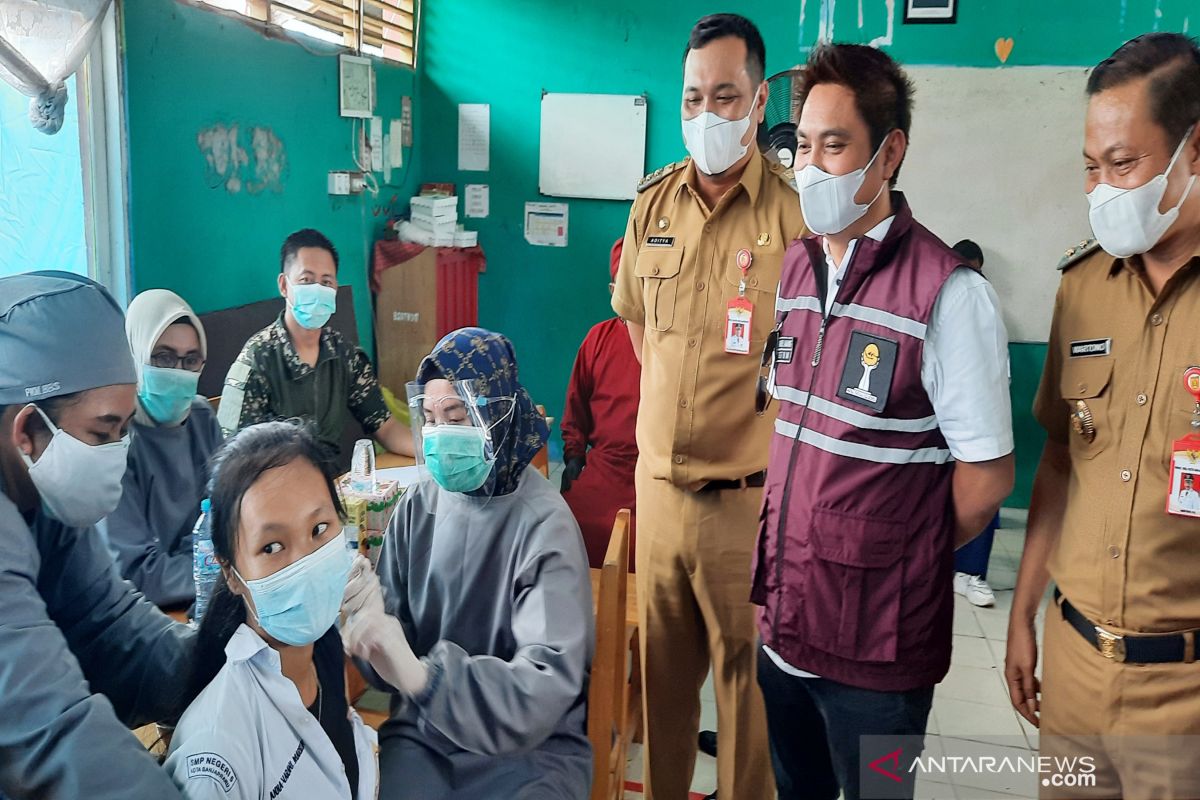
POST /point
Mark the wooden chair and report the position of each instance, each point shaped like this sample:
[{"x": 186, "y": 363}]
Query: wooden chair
[
  {"x": 541, "y": 461},
  {"x": 612, "y": 692}
]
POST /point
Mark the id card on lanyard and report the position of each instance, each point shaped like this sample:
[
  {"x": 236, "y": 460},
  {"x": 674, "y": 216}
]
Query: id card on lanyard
[
  {"x": 739, "y": 312},
  {"x": 1183, "y": 487}
]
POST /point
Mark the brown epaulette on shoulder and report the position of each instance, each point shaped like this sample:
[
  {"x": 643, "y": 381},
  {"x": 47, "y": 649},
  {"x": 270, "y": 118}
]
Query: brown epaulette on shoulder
[
  {"x": 785, "y": 174},
  {"x": 1079, "y": 252},
  {"x": 659, "y": 174}
]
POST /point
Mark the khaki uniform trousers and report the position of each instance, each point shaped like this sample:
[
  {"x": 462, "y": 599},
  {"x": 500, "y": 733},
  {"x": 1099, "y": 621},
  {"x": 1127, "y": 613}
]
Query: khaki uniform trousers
[
  {"x": 1139, "y": 723},
  {"x": 694, "y": 552}
]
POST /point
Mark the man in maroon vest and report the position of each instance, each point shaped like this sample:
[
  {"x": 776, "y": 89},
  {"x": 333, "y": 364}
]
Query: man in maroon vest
[{"x": 892, "y": 445}]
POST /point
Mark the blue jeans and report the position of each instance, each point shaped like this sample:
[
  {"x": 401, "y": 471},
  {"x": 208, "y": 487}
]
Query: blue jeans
[
  {"x": 815, "y": 727},
  {"x": 972, "y": 557}
]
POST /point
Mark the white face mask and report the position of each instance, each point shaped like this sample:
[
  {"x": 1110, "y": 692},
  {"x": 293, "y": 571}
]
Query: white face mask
[
  {"x": 1126, "y": 222},
  {"x": 827, "y": 201},
  {"x": 715, "y": 143},
  {"x": 79, "y": 484}
]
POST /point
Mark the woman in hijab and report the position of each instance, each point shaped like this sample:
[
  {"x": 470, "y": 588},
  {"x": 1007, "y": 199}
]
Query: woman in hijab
[
  {"x": 174, "y": 434},
  {"x": 485, "y": 631}
]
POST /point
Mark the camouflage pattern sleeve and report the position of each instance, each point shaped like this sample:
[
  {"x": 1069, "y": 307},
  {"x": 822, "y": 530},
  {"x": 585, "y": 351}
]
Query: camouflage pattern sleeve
[
  {"x": 245, "y": 399},
  {"x": 366, "y": 399}
]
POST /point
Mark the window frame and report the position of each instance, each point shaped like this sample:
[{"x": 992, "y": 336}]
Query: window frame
[
  {"x": 362, "y": 32},
  {"x": 103, "y": 148}
]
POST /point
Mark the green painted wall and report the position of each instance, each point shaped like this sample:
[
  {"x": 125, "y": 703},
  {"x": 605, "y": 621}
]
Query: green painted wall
[
  {"x": 506, "y": 54},
  {"x": 1026, "y": 360},
  {"x": 187, "y": 69}
]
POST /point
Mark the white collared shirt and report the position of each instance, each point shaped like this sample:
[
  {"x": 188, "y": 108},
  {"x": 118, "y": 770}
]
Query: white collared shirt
[{"x": 249, "y": 736}]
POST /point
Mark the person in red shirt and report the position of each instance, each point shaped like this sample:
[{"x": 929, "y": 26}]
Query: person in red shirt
[{"x": 598, "y": 426}]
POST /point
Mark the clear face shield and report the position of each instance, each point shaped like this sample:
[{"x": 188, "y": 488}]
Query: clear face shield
[{"x": 454, "y": 431}]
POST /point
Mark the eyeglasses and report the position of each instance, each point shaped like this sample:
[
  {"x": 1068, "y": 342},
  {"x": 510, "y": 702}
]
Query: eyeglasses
[
  {"x": 169, "y": 359},
  {"x": 762, "y": 398}
]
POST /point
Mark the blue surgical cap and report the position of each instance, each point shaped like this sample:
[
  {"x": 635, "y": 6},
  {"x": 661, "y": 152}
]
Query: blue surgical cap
[{"x": 59, "y": 334}]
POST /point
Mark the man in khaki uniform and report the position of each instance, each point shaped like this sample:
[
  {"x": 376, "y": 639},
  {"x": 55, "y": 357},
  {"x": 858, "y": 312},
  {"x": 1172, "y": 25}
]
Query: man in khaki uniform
[
  {"x": 1121, "y": 637},
  {"x": 705, "y": 241}
]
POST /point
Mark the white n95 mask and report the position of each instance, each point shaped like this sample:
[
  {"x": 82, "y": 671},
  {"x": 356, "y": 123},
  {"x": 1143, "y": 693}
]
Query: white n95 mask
[
  {"x": 827, "y": 201},
  {"x": 715, "y": 143},
  {"x": 80, "y": 484},
  {"x": 1127, "y": 222}
]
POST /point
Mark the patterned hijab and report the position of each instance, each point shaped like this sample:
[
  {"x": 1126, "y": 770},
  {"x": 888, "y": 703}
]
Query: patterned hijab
[{"x": 489, "y": 362}]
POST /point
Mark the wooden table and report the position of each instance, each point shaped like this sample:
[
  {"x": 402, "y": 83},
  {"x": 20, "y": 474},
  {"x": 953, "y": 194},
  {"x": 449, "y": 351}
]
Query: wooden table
[{"x": 389, "y": 460}]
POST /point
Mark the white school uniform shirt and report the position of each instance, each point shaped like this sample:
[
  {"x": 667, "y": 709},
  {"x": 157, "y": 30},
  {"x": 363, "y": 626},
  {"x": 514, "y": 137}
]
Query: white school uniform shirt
[
  {"x": 248, "y": 736},
  {"x": 964, "y": 368}
]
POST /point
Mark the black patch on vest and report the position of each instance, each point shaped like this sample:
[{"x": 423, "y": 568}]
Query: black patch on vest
[
  {"x": 1087, "y": 348},
  {"x": 660, "y": 241},
  {"x": 864, "y": 383},
  {"x": 785, "y": 348}
]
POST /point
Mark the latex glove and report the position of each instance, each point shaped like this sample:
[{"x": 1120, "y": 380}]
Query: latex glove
[
  {"x": 378, "y": 638},
  {"x": 363, "y": 592},
  {"x": 572, "y": 470}
]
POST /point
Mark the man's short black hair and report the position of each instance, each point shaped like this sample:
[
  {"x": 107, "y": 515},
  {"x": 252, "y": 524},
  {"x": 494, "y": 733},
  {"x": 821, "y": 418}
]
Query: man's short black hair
[
  {"x": 306, "y": 237},
  {"x": 882, "y": 91},
  {"x": 969, "y": 251},
  {"x": 1171, "y": 61},
  {"x": 718, "y": 26}
]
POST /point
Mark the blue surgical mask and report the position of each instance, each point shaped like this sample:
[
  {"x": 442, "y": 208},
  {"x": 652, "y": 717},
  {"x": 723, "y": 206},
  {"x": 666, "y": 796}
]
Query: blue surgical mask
[
  {"x": 167, "y": 394},
  {"x": 300, "y": 602},
  {"x": 312, "y": 304},
  {"x": 455, "y": 456}
]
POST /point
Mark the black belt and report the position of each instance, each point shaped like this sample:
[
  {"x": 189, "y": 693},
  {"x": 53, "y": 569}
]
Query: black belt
[
  {"x": 754, "y": 481},
  {"x": 1168, "y": 648}
]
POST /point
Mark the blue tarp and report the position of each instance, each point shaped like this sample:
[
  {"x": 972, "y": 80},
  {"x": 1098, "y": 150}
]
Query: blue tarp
[{"x": 41, "y": 190}]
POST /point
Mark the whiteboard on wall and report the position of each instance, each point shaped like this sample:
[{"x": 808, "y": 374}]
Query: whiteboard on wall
[
  {"x": 995, "y": 156},
  {"x": 592, "y": 145}
]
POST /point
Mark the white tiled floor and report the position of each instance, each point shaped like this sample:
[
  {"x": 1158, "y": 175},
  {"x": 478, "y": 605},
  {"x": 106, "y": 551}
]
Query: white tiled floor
[{"x": 970, "y": 705}]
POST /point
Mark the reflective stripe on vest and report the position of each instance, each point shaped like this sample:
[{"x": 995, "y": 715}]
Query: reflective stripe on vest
[
  {"x": 849, "y": 416},
  {"x": 886, "y": 319},
  {"x": 863, "y": 452}
]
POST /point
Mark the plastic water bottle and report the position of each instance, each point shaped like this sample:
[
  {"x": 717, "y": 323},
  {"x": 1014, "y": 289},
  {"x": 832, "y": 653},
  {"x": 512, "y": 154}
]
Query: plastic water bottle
[
  {"x": 205, "y": 567},
  {"x": 362, "y": 467}
]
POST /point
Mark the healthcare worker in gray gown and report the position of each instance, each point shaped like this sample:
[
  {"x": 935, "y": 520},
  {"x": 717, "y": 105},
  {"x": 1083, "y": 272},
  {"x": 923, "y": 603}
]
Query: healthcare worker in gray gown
[
  {"x": 485, "y": 575},
  {"x": 83, "y": 657}
]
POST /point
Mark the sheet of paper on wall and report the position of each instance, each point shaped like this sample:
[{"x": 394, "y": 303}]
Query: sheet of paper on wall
[
  {"x": 376, "y": 144},
  {"x": 477, "y": 201},
  {"x": 387, "y": 158},
  {"x": 546, "y": 224},
  {"x": 406, "y": 121},
  {"x": 474, "y": 135},
  {"x": 396, "y": 143}
]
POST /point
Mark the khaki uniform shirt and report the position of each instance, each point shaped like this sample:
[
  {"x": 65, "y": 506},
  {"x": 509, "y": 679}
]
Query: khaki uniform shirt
[
  {"x": 1121, "y": 559},
  {"x": 678, "y": 272}
]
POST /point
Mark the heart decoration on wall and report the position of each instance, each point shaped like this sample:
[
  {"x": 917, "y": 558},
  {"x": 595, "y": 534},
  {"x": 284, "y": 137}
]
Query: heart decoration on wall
[{"x": 1004, "y": 48}]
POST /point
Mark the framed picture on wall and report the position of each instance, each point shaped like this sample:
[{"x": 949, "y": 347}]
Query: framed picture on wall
[{"x": 922, "y": 11}]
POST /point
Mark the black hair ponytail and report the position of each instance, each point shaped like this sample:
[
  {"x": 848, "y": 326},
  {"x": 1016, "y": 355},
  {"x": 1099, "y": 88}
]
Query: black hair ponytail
[{"x": 225, "y": 614}]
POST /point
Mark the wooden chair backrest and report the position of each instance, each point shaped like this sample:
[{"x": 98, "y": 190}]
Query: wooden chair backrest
[{"x": 607, "y": 706}]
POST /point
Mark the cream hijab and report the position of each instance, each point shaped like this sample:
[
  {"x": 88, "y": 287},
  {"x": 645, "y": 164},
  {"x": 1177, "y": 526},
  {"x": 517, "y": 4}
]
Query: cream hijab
[{"x": 151, "y": 313}]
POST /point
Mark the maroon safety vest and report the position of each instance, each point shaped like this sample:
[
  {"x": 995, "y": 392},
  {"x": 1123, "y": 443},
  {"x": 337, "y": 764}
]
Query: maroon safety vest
[{"x": 855, "y": 551}]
